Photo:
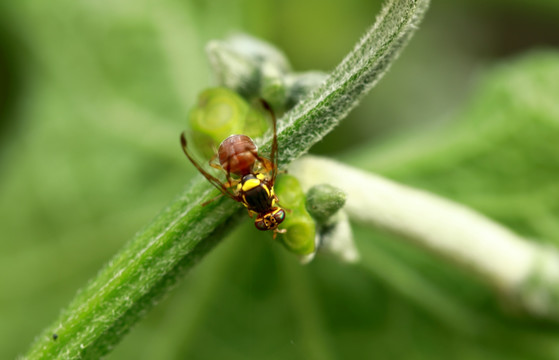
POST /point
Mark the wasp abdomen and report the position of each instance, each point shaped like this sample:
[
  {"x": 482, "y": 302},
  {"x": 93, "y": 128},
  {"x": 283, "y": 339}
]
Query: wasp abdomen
[{"x": 237, "y": 154}]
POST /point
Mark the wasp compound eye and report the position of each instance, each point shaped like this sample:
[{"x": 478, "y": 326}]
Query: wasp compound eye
[
  {"x": 262, "y": 224},
  {"x": 279, "y": 216}
]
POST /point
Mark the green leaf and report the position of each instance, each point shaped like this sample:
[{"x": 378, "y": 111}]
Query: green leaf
[{"x": 150, "y": 264}]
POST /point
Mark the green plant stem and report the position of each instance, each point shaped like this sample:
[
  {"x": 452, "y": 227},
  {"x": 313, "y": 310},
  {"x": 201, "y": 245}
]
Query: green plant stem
[
  {"x": 526, "y": 272},
  {"x": 136, "y": 277},
  {"x": 149, "y": 265},
  {"x": 322, "y": 110}
]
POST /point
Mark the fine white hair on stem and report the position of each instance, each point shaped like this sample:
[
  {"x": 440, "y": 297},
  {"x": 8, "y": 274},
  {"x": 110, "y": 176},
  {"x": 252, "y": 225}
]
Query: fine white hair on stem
[{"x": 525, "y": 271}]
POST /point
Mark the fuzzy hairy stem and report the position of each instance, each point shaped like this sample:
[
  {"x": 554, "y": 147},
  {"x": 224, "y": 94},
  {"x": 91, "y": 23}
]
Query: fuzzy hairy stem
[{"x": 361, "y": 69}]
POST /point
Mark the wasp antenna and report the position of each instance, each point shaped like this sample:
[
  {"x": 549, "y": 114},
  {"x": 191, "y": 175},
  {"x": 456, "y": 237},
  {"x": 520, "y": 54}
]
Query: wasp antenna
[
  {"x": 212, "y": 179},
  {"x": 266, "y": 106},
  {"x": 274, "y": 150},
  {"x": 183, "y": 139}
]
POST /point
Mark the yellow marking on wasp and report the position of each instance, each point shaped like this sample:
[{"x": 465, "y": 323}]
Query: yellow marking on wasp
[
  {"x": 260, "y": 176},
  {"x": 250, "y": 184}
]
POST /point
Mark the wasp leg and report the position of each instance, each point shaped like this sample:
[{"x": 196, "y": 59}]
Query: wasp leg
[
  {"x": 214, "y": 164},
  {"x": 212, "y": 179},
  {"x": 288, "y": 210},
  {"x": 278, "y": 231},
  {"x": 265, "y": 164},
  {"x": 211, "y": 200},
  {"x": 231, "y": 182},
  {"x": 276, "y": 202}
]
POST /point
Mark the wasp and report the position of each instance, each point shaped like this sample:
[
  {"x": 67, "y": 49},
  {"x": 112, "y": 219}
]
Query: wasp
[{"x": 250, "y": 175}]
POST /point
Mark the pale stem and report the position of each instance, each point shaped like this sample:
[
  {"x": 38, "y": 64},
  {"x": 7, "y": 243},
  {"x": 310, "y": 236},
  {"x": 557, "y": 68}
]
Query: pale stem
[{"x": 526, "y": 271}]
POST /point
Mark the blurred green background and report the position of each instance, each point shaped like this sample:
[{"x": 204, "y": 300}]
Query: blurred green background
[{"x": 93, "y": 97}]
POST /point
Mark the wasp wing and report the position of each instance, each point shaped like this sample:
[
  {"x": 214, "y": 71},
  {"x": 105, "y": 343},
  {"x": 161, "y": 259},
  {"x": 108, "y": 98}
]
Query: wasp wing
[{"x": 212, "y": 179}]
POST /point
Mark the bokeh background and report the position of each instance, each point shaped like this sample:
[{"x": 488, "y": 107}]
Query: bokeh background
[{"x": 93, "y": 96}]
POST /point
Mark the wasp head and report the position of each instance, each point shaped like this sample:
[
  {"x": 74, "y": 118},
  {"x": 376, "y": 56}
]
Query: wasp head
[{"x": 270, "y": 220}]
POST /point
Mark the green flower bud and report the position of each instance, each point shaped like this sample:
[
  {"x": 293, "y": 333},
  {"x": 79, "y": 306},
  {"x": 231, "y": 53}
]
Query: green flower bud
[
  {"x": 300, "y": 235},
  {"x": 323, "y": 201},
  {"x": 289, "y": 192},
  {"x": 244, "y": 63},
  {"x": 233, "y": 69},
  {"x": 221, "y": 112},
  {"x": 258, "y": 70},
  {"x": 256, "y": 123},
  {"x": 272, "y": 87},
  {"x": 299, "y": 85},
  {"x": 299, "y": 225},
  {"x": 258, "y": 51}
]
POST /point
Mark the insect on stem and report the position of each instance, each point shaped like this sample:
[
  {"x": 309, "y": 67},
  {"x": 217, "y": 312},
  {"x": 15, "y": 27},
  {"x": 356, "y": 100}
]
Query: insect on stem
[{"x": 250, "y": 175}]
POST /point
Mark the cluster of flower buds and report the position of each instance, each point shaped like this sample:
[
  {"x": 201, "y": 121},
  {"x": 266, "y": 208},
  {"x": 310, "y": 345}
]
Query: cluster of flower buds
[{"x": 249, "y": 71}]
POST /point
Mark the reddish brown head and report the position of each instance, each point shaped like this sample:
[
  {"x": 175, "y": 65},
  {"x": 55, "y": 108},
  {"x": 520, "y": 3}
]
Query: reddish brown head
[{"x": 237, "y": 154}]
